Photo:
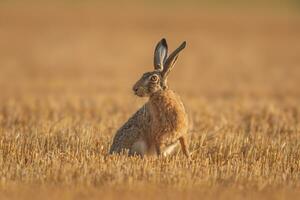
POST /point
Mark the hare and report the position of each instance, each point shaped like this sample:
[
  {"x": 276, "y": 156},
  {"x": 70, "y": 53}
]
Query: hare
[{"x": 161, "y": 124}]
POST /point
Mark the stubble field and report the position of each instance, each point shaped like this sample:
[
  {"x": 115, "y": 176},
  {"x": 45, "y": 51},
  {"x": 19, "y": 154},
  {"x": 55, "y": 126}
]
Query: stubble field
[{"x": 66, "y": 74}]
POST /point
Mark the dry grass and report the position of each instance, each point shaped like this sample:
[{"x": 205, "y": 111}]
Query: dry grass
[{"x": 65, "y": 80}]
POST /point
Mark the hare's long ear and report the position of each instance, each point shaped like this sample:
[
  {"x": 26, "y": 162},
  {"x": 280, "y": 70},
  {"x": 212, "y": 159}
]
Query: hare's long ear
[
  {"x": 160, "y": 54},
  {"x": 170, "y": 62}
]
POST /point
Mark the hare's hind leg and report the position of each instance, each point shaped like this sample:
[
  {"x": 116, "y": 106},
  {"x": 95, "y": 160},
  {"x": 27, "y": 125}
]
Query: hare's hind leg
[
  {"x": 139, "y": 148},
  {"x": 184, "y": 146}
]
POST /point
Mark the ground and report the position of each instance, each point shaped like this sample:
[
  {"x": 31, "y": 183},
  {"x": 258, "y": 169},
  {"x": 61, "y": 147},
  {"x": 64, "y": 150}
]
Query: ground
[{"x": 65, "y": 87}]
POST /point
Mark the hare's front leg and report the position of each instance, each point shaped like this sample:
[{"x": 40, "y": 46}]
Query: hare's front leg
[{"x": 184, "y": 146}]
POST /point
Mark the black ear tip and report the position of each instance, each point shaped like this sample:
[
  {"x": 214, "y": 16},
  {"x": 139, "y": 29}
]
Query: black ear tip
[
  {"x": 163, "y": 41},
  {"x": 183, "y": 44}
]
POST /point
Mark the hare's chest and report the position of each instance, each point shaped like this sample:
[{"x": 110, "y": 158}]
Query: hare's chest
[
  {"x": 166, "y": 123},
  {"x": 168, "y": 117}
]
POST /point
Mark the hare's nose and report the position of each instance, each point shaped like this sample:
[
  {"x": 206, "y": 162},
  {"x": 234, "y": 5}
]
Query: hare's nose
[{"x": 135, "y": 89}]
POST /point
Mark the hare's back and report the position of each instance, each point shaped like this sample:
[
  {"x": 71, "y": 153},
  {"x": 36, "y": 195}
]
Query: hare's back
[
  {"x": 124, "y": 139},
  {"x": 130, "y": 132}
]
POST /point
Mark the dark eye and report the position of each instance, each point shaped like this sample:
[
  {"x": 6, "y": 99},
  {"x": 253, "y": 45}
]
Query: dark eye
[{"x": 154, "y": 78}]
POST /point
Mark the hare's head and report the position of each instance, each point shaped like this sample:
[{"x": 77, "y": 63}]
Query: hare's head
[{"x": 156, "y": 80}]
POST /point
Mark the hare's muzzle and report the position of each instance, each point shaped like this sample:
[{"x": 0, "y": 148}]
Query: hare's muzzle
[
  {"x": 138, "y": 91},
  {"x": 135, "y": 89}
]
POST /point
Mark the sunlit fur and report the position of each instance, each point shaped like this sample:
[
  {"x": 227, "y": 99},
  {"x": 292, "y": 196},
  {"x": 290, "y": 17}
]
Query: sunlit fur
[
  {"x": 162, "y": 120},
  {"x": 159, "y": 126}
]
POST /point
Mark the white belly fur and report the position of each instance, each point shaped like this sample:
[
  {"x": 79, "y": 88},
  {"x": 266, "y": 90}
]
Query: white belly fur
[
  {"x": 169, "y": 150},
  {"x": 141, "y": 148}
]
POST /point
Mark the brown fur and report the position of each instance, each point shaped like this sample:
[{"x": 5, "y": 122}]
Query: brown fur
[
  {"x": 131, "y": 131},
  {"x": 162, "y": 122},
  {"x": 168, "y": 117}
]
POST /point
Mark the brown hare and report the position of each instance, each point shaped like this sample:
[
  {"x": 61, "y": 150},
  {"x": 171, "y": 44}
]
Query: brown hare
[{"x": 161, "y": 124}]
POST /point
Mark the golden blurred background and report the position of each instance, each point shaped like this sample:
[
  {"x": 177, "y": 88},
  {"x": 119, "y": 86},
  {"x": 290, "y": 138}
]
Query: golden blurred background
[{"x": 234, "y": 48}]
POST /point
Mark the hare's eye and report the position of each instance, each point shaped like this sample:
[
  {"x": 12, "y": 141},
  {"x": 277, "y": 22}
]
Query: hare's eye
[{"x": 154, "y": 78}]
